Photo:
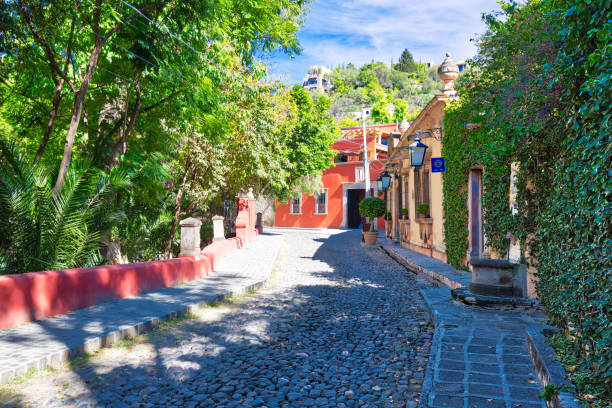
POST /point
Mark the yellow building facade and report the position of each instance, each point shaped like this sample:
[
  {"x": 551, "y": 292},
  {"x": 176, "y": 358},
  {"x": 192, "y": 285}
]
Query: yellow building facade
[
  {"x": 416, "y": 188},
  {"x": 415, "y": 195}
]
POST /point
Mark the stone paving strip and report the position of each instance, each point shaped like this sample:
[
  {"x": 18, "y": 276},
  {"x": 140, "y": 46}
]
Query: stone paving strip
[
  {"x": 479, "y": 357},
  {"x": 337, "y": 325},
  {"x": 50, "y": 342}
]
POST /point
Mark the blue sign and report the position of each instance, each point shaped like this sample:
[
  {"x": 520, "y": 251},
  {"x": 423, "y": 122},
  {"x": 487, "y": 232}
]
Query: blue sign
[{"x": 438, "y": 165}]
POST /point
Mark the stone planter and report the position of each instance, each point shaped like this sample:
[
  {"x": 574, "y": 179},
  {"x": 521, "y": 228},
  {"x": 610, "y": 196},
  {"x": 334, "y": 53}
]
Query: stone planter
[{"x": 370, "y": 237}]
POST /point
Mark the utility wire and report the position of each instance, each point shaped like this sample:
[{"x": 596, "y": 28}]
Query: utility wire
[{"x": 216, "y": 65}]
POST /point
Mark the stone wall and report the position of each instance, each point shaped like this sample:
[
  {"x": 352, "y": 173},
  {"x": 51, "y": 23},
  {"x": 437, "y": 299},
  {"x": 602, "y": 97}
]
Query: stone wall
[{"x": 265, "y": 206}]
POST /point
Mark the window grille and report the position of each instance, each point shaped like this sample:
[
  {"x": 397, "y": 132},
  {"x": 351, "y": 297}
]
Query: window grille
[
  {"x": 359, "y": 174},
  {"x": 421, "y": 185},
  {"x": 296, "y": 205},
  {"x": 321, "y": 203}
]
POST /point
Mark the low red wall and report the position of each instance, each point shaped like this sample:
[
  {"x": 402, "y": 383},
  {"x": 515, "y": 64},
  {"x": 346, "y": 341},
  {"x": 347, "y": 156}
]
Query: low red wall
[{"x": 35, "y": 295}]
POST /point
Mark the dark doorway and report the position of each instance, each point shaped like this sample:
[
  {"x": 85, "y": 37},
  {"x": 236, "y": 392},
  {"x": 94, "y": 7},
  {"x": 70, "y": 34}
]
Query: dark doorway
[{"x": 353, "y": 217}]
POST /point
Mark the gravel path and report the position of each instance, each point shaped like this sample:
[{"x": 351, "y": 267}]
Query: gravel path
[{"x": 337, "y": 326}]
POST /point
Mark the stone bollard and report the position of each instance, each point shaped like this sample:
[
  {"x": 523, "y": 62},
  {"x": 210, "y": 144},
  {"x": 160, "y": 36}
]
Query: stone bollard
[
  {"x": 190, "y": 237},
  {"x": 218, "y": 233},
  {"x": 259, "y": 223}
]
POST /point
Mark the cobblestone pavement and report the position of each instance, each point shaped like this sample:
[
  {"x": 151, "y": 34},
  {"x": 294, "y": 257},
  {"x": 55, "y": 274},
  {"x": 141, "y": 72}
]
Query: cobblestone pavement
[
  {"x": 479, "y": 356},
  {"x": 338, "y": 326}
]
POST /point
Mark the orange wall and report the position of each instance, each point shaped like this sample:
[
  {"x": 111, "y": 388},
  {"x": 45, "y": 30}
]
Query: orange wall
[{"x": 332, "y": 180}]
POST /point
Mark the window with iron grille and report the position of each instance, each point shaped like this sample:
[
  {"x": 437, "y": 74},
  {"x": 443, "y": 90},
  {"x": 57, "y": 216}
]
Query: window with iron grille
[
  {"x": 296, "y": 205},
  {"x": 421, "y": 185},
  {"x": 321, "y": 202}
]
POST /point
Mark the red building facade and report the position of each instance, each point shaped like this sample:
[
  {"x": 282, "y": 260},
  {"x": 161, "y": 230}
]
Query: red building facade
[{"x": 343, "y": 183}]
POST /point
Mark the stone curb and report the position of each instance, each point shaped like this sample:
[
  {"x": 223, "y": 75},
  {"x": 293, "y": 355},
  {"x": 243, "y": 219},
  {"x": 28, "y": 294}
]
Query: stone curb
[
  {"x": 56, "y": 358},
  {"x": 428, "y": 380},
  {"x": 439, "y": 278},
  {"x": 549, "y": 368},
  {"x": 414, "y": 268}
]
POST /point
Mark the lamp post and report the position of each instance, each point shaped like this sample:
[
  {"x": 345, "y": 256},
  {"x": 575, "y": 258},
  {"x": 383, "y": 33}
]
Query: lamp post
[{"x": 366, "y": 164}]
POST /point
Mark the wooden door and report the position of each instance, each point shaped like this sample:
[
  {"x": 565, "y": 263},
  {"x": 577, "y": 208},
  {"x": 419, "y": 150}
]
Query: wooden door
[{"x": 475, "y": 210}]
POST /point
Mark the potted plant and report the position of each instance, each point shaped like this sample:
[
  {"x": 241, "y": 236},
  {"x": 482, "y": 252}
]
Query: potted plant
[
  {"x": 405, "y": 213},
  {"x": 388, "y": 216},
  {"x": 372, "y": 207},
  {"x": 423, "y": 209}
]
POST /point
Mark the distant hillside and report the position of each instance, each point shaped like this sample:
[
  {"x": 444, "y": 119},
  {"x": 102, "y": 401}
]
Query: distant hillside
[{"x": 395, "y": 93}]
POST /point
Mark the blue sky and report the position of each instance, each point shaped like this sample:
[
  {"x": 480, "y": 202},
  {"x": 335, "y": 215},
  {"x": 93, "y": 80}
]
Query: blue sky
[{"x": 358, "y": 31}]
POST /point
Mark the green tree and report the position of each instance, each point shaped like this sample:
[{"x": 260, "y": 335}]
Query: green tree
[
  {"x": 401, "y": 110},
  {"x": 102, "y": 81},
  {"x": 406, "y": 62}
]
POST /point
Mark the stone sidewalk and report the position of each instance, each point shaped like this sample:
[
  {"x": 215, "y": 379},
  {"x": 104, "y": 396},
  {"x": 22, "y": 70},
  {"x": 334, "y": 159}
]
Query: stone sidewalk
[
  {"x": 479, "y": 355},
  {"x": 49, "y": 342}
]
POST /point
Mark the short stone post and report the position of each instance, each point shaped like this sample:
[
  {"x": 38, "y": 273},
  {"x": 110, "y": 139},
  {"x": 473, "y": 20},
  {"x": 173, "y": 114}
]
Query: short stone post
[
  {"x": 218, "y": 233},
  {"x": 259, "y": 223},
  {"x": 190, "y": 237}
]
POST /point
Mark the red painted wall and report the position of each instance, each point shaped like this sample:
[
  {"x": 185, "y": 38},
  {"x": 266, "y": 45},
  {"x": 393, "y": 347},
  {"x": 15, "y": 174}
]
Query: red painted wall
[
  {"x": 31, "y": 296},
  {"x": 332, "y": 180}
]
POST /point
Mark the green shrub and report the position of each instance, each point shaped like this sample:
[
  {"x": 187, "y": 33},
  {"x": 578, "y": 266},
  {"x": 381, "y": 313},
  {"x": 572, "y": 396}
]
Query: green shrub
[
  {"x": 372, "y": 207},
  {"x": 404, "y": 212}
]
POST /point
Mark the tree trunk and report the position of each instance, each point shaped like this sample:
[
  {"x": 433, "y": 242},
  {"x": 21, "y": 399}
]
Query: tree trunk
[
  {"x": 122, "y": 131},
  {"x": 76, "y": 115},
  {"x": 57, "y": 98},
  {"x": 177, "y": 210}
]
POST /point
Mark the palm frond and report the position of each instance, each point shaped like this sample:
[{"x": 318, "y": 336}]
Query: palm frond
[{"x": 43, "y": 230}]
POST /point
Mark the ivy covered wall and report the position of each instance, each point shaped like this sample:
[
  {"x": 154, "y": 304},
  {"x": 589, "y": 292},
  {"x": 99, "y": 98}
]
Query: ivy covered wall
[{"x": 539, "y": 89}]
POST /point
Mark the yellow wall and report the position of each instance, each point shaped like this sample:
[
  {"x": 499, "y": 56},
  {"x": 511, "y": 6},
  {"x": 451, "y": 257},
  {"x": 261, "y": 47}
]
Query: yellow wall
[{"x": 431, "y": 117}]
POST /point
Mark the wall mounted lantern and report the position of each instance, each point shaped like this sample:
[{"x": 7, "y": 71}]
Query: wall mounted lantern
[
  {"x": 417, "y": 151},
  {"x": 385, "y": 179},
  {"x": 379, "y": 183}
]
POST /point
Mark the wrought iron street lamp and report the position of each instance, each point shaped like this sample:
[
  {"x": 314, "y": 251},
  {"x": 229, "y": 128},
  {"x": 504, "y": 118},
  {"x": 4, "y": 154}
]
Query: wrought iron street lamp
[
  {"x": 379, "y": 183},
  {"x": 417, "y": 151}
]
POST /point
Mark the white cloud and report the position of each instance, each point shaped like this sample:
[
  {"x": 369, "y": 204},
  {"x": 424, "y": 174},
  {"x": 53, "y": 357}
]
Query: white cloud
[{"x": 357, "y": 31}]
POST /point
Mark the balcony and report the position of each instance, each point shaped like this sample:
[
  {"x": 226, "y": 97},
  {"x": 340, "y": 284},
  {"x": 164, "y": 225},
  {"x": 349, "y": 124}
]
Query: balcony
[
  {"x": 425, "y": 229},
  {"x": 405, "y": 231}
]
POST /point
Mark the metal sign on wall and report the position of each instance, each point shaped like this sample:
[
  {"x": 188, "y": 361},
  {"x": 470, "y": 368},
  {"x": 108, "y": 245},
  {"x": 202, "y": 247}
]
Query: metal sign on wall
[{"x": 438, "y": 165}]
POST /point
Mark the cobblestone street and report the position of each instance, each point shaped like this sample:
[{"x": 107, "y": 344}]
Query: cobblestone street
[{"x": 338, "y": 325}]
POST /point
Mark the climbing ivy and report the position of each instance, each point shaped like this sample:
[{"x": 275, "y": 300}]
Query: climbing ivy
[{"x": 539, "y": 91}]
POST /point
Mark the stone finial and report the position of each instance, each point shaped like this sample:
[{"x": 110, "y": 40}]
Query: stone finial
[
  {"x": 404, "y": 126},
  {"x": 250, "y": 193},
  {"x": 190, "y": 237},
  {"x": 448, "y": 72}
]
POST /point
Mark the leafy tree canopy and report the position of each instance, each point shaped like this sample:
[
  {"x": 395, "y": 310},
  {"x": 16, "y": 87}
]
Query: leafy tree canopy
[{"x": 394, "y": 94}]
